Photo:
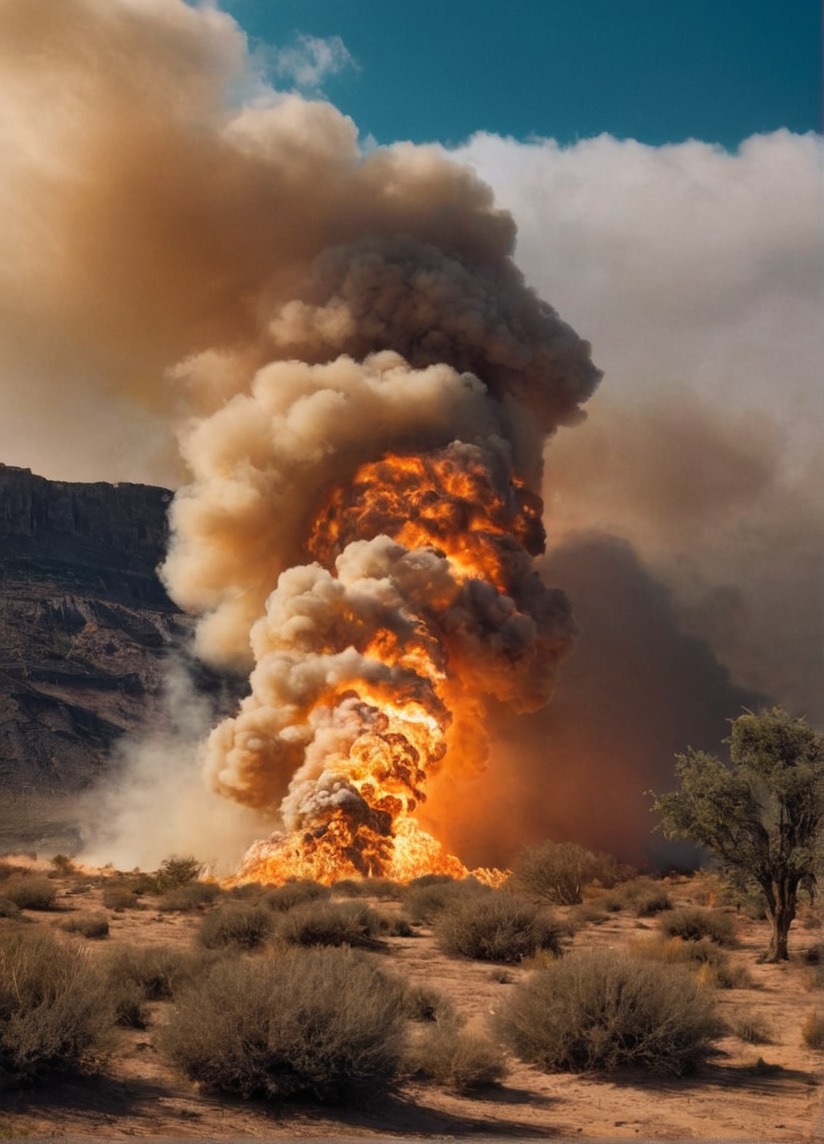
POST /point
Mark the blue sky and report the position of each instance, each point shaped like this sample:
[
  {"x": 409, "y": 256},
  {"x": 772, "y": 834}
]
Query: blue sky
[{"x": 655, "y": 70}]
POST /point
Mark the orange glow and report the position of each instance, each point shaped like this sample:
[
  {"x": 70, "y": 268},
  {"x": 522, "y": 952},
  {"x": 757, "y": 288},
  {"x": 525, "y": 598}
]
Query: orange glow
[{"x": 482, "y": 523}]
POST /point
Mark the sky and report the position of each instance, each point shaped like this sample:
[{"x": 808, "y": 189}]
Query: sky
[
  {"x": 659, "y": 71},
  {"x": 663, "y": 163}
]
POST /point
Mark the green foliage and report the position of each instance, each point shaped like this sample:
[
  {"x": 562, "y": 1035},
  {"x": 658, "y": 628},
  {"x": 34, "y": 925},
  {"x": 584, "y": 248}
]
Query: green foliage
[
  {"x": 236, "y": 924},
  {"x": 29, "y": 891},
  {"x": 496, "y": 926},
  {"x": 54, "y": 1014},
  {"x": 600, "y": 1011},
  {"x": 324, "y": 1023},
  {"x": 762, "y": 816}
]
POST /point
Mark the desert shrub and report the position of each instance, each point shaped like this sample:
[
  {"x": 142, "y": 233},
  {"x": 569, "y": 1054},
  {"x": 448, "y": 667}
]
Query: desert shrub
[
  {"x": 455, "y": 1057},
  {"x": 752, "y": 1029},
  {"x": 324, "y": 1022},
  {"x": 693, "y": 924},
  {"x": 53, "y": 1010},
  {"x": 429, "y": 880},
  {"x": 383, "y": 888},
  {"x": 88, "y": 925},
  {"x": 118, "y": 897},
  {"x": 332, "y": 923},
  {"x": 9, "y": 909},
  {"x": 236, "y": 924},
  {"x": 584, "y": 914},
  {"x": 600, "y": 1011},
  {"x": 29, "y": 891},
  {"x": 291, "y": 894},
  {"x": 424, "y": 900},
  {"x": 712, "y": 963},
  {"x": 192, "y": 896},
  {"x": 555, "y": 872},
  {"x": 652, "y": 903},
  {"x": 498, "y": 926},
  {"x": 812, "y": 1030},
  {"x": 136, "y": 974},
  {"x": 423, "y": 1003},
  {"x": 62, "y": 865},
  {"x": 177, "y": 871}
]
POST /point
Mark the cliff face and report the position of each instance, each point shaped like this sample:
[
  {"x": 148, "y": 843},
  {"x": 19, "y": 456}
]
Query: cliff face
[{"x": 85, "y": 625}]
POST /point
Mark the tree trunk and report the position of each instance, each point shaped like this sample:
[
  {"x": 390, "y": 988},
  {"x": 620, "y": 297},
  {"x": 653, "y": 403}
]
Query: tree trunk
[{"x": 782, "y": 918}]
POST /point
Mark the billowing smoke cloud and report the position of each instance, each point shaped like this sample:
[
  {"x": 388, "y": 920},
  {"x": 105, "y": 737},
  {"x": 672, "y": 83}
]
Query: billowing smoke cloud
[{"x": 186, "y": 249}]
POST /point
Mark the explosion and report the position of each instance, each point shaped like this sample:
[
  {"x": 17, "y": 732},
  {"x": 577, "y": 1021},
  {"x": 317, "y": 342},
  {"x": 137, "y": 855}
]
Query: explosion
[{"x": 361, "y": 384}]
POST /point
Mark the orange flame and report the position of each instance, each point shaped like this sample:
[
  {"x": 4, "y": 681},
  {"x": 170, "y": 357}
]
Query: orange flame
[{"x": 452, "y": 504}]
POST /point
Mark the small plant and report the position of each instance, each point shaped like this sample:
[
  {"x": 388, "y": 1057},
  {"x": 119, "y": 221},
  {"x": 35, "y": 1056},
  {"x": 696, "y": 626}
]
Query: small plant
[
  {"x": 384, "y": 888},
  {"x": 428, "y": 896},
  {"x": 236, "y": 924},
  {"x": 600, "y": 1011},
  {"x": 54, "y": 1014},
  {"x": 332, "y": 923},
  {"x": 295, "y": 893},
  {"x": 455, "y": 1057},
  {"x": 325, "y": 1023},
  {"x": 555, "y": 872},
  {"x": 752, "y": 1029},
  {"x": 497, "y": 926},
  {"x": 422, "y": 1003},
  {"x": 192, "y": 896},
  {"x": 9, "y": 909},
  {"x": 177, "y": 871},
  {"x": 812, "y": 1030},
  {"x": 92, "y": 926},
  {"x": 63, "y": 865},
  {"x": 119, "y": 897},
  {"x": 29, "y": 891},
  {"x": 692, "y": 924},
  {"x": 135, "y": 975},
  {"x": 655, "y": 902}
]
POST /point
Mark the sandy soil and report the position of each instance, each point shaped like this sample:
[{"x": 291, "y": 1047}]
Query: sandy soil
[{"x": 763, "y": 1092}]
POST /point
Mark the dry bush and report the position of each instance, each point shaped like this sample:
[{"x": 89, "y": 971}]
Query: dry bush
[
  {"x": 137, "y": 974},
  {"x": 236, "y": 924},
  {"x": 54, "y": 1014},
  {"x": 423, "y": 1003},
  {"x": 652, "y": 903},
  {"x": 426, "y": 897},
  {"x": 693, "y": 924},
  {"x": 332, "y": 923},
  {"x": 556, "y": 872},
  {"x": 713, "y": 965},
  {"x": 62, "y": 865},
  {"x": 296, "y": 893},
  {"x": 455, "y": 1057},
  {"x": 9, "y": 909},
  {"x": 384, "y": 888},
  {"x": 812, "y": 1030},
  {"x": 119, "y": 896},
  {"x": 88, "y": 925},
  {"x": 177, "y": 871},
  {"x": 498, "y": 926},
  {"x": 29, "y": 891},
  {"x": 600, "y": 1011},
  {"x": 192, "y": 896},
  {"x": 325, "y": 1023},
  {"x": 752, "y": 1029}
]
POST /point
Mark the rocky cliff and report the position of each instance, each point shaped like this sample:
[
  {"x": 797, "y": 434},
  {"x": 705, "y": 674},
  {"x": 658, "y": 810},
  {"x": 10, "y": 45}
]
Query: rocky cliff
[{"x": 85, "y": 625}]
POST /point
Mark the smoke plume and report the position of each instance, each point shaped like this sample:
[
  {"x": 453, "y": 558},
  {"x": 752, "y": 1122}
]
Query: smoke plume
[{"x": 333, "y": 356}]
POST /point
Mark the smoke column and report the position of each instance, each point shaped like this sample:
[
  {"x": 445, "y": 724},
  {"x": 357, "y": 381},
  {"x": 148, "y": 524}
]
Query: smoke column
[{"x": 331, "y": 354}]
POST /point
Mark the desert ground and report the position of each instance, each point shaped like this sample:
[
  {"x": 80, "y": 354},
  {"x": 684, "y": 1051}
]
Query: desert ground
[{"x": 769, "y": 1090}]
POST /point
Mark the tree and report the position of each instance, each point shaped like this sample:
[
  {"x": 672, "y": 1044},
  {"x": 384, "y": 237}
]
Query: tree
[{"x": 762, "y": 816}]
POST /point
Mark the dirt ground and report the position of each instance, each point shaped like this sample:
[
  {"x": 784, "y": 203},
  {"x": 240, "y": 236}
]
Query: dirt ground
[{"x": 747, "y": 1092}]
